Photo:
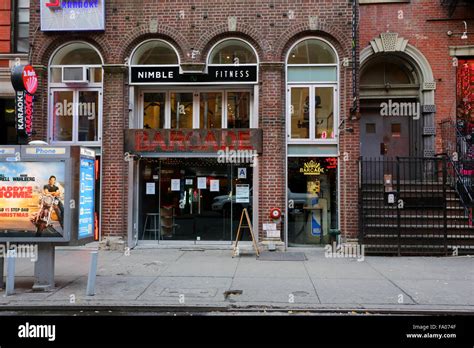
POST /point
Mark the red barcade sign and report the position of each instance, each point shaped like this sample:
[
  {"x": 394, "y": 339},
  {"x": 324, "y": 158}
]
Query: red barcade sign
[{"x": 192, "y": 140}]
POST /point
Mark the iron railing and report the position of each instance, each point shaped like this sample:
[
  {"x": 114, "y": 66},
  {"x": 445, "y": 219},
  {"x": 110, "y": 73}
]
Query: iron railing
[
  {"x": 458, "y": 147},
  {"x": 409, "y": 206}
]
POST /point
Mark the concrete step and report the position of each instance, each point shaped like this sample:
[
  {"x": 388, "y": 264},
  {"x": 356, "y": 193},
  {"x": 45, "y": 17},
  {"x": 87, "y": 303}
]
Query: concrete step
[
  {"x": 422, "y": 220},
  {"x": 429, "y": 227},
  {"x": 451, "y": 207}
]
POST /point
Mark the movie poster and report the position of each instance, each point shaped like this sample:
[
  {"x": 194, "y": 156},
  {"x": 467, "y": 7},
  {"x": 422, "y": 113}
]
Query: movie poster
[{"x": 32, "y": 199}]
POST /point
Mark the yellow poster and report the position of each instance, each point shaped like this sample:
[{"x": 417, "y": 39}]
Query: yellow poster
[{"x": 32, "y": 199}]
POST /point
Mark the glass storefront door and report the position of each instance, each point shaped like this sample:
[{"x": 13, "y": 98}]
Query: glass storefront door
[
  {"x": 195, "y": 199},
  {"x": 312, "y": 199}
]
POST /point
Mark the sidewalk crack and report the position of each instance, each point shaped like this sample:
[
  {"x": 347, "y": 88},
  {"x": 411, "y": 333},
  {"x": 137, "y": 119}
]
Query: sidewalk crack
[
  {"x": 233, "y": 275},
  {"x": 158, "y": 276},
  {"x": 312, "y": 283},
  {"x": 393, "y": 283}
]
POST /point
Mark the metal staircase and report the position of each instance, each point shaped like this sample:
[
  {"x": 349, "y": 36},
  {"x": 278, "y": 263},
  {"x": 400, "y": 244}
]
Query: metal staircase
[{"x": 427, "y": 215}]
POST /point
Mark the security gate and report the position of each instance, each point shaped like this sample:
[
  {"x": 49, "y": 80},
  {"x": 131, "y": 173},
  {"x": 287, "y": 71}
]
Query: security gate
[{"x": 409, "y": 206}]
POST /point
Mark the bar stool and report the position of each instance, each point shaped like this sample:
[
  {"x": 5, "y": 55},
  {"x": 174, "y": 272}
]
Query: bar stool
[{"x": 155, "y": 227}]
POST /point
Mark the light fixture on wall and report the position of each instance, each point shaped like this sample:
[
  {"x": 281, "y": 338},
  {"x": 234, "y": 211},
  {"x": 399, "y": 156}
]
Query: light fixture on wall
[{"x": 464, "y": 35}]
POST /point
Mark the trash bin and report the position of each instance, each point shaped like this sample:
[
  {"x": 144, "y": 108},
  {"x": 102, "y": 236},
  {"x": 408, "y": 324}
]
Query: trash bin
[{"x": 333, "y": 234}]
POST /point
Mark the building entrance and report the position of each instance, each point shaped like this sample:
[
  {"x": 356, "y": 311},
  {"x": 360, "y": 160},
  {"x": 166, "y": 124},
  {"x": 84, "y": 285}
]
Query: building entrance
[{"x": 195, "y": 199}]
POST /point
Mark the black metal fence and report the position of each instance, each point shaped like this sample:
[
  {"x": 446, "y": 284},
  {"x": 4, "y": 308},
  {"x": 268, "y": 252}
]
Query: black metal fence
[
  {"x": 410, "y": 206},
  {"x": 457, "y": 144}
]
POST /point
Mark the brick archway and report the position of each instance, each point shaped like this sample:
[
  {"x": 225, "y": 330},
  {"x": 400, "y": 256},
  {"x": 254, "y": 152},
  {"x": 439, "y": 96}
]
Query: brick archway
[
  {"x": 341, "y": 43},
  {"x": 144, "y": 32},
  {"x": 242, "y": 31},
  {"x": 391, "y": 43},
  {"x": 43, "y": 54}
]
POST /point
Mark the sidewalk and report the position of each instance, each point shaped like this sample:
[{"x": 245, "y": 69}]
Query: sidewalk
[{"x": 184, "y": 278}]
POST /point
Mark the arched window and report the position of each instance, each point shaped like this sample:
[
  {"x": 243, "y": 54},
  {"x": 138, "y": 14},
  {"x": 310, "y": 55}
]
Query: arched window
[
  {"x": 154, "y": 52},
  {"x": 312, "y": 77},
  {"x": 312, "y": 51},
  {"x": 387, "y": 70},
  {"x": 75, "y": 95},
  {"x": 388, "y": 75},
  {"x": 232, "y": 51},
  {"x": 235, "y": 53}
]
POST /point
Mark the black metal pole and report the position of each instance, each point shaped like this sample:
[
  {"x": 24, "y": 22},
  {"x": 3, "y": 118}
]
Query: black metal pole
[
  {"x": 398, "y": 207},
  {"x": 445, "y": 210}
]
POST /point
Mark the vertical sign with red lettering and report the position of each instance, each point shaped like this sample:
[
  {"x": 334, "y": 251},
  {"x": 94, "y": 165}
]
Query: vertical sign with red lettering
[{"x": 25, "y": 82}]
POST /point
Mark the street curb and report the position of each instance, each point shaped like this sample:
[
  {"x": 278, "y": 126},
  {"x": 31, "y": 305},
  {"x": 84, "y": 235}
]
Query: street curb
[{"x": 94, "y": 309}]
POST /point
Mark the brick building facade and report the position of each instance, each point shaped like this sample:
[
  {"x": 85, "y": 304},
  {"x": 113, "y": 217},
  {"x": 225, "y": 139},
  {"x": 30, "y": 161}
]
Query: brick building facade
[
  {"x": 193, "y": 30},
  {"x": 437, "y": 36},
  {"x": 328, "y": 118},
  {"x": 416, "y": 126}
]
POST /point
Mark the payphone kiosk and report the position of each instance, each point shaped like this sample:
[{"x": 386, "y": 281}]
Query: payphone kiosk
[{"x": 46, "y": 200}]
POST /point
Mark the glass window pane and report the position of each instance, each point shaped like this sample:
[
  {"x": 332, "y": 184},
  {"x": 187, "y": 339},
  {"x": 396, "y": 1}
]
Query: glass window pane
[
  {"x": 210, "y": 110},
  {"x": 23, "y": 30},
  {"x": 231, "y": 52},
  {"x": 238, "y": 110},
  {"x": 312, "y": 74},
  {"x": 311, "y": 181},
  {"x": 56, "y": 75},
  {"x": 299, "y": 112},
  {"x": 396, "y": 130},
  {"x": 155, "y": 52},
  {"x": 382, "y": 72},
  {"x": 88, "y": 113},
  {"x": 154, "y": 110},
  {"x": 370, "y": 128},
  {"x": 324, "y": 111},
  {"x": 62, "y": 115},
  {"x": 76, "y": 53},
  {"x": 23, "y": 15},
  {"x": 81, "y": 56},
  {"x": 312, "y": 51},
  {"x": 7, "y": 108},
  {"x": 23, "y": 3},
  {"x": 22, "y": 45},
  {"x": 96, "y": 74},
  {"x": 181, "y": 110}
]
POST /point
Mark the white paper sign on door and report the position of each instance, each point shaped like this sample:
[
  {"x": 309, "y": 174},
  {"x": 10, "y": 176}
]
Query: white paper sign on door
[
  {"x": 214, "y": 185},
  {"x": 242, "y": 194},
  {"x": 150, "y": 188},
  {"x": 202, "y": 185},
  {"x": 175, "y": 185},
  {"x": 189, "y": 181}
]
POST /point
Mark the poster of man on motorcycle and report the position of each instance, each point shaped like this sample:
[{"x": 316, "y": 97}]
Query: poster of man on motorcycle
[
  {"x": 32, "y": 198},
  {"x": 51, "y": 200}
]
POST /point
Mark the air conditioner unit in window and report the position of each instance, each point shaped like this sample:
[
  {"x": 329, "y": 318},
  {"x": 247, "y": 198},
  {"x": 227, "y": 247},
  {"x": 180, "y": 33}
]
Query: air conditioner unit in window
[{"x": 75, "y": 74}]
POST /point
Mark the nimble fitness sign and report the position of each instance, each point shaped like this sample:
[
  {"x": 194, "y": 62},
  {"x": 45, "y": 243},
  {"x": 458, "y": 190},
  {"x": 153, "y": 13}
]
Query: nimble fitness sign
[
  {"x": 142, "y": 74},
  {"x": 25, "y": 83}
]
